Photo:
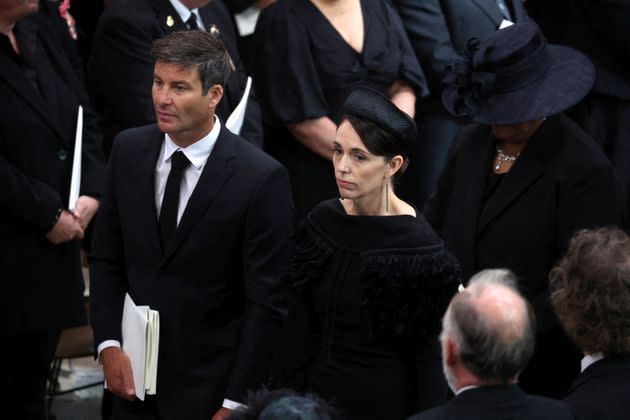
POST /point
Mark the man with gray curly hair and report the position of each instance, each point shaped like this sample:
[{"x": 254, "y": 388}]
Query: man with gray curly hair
[{"x": 488, "y": 335}]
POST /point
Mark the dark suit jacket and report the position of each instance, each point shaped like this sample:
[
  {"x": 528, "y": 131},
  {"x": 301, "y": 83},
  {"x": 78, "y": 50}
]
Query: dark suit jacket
[
  {"x": 42, "y": 285},
  {"x": 501, "y": 402},
  {"x": 120, "y": 70},
  {"x": 217, "y": 287},
  {"x": 439, "y": 30},
  {"x": 602, "y": 390}
]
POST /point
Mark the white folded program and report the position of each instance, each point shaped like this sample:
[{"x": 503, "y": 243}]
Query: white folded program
[{"x": 140, "y": 341}]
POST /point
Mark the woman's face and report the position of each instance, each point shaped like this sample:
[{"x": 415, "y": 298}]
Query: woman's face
[
  {"x": 358, "y": 172},
  {"x": 516, "y": 133}
]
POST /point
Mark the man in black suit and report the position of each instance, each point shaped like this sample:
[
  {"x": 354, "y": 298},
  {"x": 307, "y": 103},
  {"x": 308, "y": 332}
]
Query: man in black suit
[
  {"x": 120, "y": 70},
  {"x": 195, "y": 222},
  {"x": 591, "y": 295},
  {"x": 40, "y": 265},
  {"x": 488, "y": 335},
  {"x": 439, "y": 31}
]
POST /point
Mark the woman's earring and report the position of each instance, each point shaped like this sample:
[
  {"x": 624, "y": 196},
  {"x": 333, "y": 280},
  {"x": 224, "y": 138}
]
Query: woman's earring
[{"x": 387, "y": 198}]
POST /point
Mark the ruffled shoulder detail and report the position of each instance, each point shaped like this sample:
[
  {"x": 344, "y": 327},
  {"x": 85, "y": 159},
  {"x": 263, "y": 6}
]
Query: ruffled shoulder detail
[
  {"x": 406, "y": 292},
  {"x": 308, "y": 257}
]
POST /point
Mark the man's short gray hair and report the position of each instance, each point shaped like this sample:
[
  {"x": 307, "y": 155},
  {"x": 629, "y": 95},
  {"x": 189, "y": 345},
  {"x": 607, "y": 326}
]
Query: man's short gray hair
[
  {"x": 493, "y": 347},
  {"x": 196, "y": 49}
]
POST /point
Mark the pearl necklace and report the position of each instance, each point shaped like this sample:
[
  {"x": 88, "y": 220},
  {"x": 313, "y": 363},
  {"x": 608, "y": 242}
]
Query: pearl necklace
[{"x": 503, "y": 157}]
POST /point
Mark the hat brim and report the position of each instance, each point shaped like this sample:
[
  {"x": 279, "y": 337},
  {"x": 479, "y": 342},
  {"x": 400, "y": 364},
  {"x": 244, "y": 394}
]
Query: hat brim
[{"x": 568, "y": 80}]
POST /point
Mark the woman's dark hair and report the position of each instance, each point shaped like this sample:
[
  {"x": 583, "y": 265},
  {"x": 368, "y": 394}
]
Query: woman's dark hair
[
  {"x": 590, "y": 291},
  {"x": 380, "y": 142}
]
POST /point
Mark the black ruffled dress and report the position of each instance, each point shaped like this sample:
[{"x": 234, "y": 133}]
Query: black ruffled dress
[{"x": 368, "y": 294}]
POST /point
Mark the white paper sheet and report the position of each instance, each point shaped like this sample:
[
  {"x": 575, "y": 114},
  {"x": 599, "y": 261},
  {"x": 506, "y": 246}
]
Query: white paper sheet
[
  {"x": 234, "y": 122},
  {"x": 75, "y": 181},
  {"x": 134, "y": 339}
]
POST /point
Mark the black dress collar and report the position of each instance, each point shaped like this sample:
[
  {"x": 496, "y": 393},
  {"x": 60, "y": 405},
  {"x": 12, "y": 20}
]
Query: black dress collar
[{"x": 362, "y": 233}]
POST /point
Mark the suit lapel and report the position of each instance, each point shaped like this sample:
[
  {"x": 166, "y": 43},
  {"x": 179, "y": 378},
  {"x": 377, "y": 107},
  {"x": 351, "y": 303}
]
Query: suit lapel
[
  {"x": 491, "y": 9},
  {"x": 167, "y": 16},
  {"x": 216, "y": 172},
  {"x": 526, "y": 170},
  {"x": 15, "y": 79}
]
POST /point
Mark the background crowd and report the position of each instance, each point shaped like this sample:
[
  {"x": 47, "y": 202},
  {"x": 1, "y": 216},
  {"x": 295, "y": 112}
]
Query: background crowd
[{"x": 392, "y": 152}]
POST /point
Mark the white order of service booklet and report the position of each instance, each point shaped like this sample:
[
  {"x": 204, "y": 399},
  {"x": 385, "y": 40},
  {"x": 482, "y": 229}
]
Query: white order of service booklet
[{"x": 140, "y": 341}]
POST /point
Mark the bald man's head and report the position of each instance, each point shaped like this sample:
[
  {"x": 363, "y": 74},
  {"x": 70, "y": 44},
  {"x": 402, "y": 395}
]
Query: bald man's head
[{"x": 492, "y": 327}]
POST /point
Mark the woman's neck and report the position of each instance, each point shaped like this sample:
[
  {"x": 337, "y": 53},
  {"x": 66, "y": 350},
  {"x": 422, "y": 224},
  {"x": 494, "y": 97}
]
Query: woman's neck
[
  {"x": 513, "y": 148},
  {"x": 381, "y": 203},
  {"x": 6, "y": 27}
]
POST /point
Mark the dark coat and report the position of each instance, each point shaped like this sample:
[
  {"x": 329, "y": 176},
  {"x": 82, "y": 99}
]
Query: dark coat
[
  {"x": 120, "y": 69},
  {"x": 42, "y": 285},
  {"x": 602, "y": 390},
  {"x": 501, "y": 402},
  {"x": 217, "y": 287},
  {"x": 561, "y": 182}
]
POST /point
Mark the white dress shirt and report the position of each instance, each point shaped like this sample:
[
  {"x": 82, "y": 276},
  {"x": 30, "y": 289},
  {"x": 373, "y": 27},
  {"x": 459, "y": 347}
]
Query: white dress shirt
[
  {"x": 589, "y": 359},
  {"x": 198, "y": 154},
  {"x": 184, "y": 13},
  {"x": 466, "y": 388}
]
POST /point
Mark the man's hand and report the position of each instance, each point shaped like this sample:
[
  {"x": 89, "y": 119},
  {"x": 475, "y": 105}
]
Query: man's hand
[
  {"x": 66, "y": 229},
  {"x": 221, "y": 414},
  {"x": 85, "y": 209},
  {"x": 118, "y": 373}
]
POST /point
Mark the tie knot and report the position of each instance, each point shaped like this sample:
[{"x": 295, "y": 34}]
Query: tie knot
[
  {"x": 179, "y": 161},
  {"x": 192, "y": 22}
]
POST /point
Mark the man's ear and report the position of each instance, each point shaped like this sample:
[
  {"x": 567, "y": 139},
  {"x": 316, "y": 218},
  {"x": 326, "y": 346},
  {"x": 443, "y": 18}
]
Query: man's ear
[{"x": 214, "y": 96}]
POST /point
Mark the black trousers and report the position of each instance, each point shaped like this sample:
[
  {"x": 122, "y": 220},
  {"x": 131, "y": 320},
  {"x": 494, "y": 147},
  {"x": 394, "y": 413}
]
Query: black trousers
[{"x": 26, "y": 358}]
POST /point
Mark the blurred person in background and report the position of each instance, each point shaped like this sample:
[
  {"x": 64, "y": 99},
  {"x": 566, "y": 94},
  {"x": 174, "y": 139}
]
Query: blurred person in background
[{"x": 40, "y": 237}]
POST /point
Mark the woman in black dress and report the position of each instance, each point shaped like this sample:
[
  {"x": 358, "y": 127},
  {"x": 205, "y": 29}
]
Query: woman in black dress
[
  {"x": 310, "y": 55},
  {"x": 370, "y": 279}
]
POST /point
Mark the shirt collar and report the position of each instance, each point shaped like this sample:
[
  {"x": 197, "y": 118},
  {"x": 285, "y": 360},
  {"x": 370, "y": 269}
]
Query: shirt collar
[
  {"x": 466, "y": 388},
  {"x": 198, "y": 152},
  {"x": 589, "y": 359},
  {"x": 183, "y": 11}
]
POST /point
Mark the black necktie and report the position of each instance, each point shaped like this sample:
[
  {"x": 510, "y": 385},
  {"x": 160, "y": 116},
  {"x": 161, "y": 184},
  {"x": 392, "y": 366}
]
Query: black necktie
[
  {"x": 192, "y": 22},
  {"x": 170, "y": 202}
]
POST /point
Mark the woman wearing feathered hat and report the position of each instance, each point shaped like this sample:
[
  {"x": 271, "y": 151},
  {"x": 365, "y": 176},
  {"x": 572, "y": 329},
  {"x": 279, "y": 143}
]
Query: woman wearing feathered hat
[
  {"x": 370, "y": 279},
  {"x": 522, "y": 179}
]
